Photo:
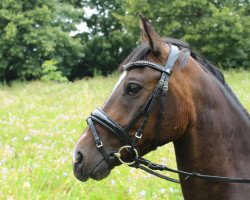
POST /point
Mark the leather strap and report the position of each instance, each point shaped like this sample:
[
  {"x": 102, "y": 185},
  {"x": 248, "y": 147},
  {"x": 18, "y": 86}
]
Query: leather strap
[
  {"x": 144, "y": 63},
  {"x": 172, "y": 58},
  {"x": 99, "y": 144},
  {"x": 100, "y": 117},
  {"x": 142, "y": 162}
]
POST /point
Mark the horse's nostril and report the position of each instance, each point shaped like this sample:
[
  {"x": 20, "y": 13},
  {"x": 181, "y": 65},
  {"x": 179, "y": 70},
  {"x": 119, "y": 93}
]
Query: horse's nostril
[
  {"x": 78, "y": 165},
  {"x": 78, "y": 158}
]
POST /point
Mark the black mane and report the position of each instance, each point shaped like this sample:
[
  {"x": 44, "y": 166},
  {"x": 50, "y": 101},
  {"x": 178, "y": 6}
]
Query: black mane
[{"x": 143, "y": 50}]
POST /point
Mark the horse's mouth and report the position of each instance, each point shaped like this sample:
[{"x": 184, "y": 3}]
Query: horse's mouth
[
  {"x": 80, "y": 173},
  {"x": 99, "y": 172}
]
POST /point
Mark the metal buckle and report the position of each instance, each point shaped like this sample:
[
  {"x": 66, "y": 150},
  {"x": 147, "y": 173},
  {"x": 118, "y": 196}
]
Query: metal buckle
[
  {"x": 99, "y": 145},
  {"x": 118, "y": 155},
  {"x": 138, "y": 136},
  {"x": 168, "y": 71}
]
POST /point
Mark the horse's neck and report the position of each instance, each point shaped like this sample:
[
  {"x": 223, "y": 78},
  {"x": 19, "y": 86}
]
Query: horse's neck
[{"x": 218, "y": 141}]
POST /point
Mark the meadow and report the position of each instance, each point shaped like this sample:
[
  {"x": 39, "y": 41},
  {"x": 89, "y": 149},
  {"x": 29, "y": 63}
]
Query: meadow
[{"x": 39, "y": 125}]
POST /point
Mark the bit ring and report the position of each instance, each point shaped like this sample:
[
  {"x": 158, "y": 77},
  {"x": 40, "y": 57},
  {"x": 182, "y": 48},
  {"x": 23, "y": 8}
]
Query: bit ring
[{"x": 118, "y": 154}]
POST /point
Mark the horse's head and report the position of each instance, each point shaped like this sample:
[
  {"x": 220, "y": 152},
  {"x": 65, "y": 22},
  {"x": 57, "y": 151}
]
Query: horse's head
[{"x": 136, "y": 112}]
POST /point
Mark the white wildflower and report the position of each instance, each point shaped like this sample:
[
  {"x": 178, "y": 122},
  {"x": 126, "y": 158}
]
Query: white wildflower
[
  {"x": 33, "y": 132},
  {"x": 2, "y": 162},
  {"x": 112, "y": 182},
  {"x": 5, "y": 170},
  {"x": 4, "y": 177},
  {"x": 30, "y": 125},
  {"x": 71, "y": 140},
  {"x": 162, "y": 191},
  {"x": 9, "y": 151},
  {"x": 171, "y": 189},
  {"x": 21, "y": 170},
  {"x": 35, "y": 165},
  {"x": 63, "y": 160},
  {"x": 26, "y": 138},
  {"x": 164, "y": 161},
  {"x": 10, "y": 198},
  {"x": 142, "y": 193},
  {"x": 65, "y": 174},
  {"x": 26, "y": 185}
]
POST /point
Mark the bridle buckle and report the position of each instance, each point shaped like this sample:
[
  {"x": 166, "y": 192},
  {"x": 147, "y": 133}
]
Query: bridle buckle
[
  {"x": 99, "y": 145},
  {"x": 138, "y": 136}
]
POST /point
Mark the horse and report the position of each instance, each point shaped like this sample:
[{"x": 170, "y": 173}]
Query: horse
[{"x": 168, "y": 93}]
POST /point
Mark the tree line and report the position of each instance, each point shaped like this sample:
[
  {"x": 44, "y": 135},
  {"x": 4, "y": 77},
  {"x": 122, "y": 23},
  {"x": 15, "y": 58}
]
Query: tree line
[{"x": 36, "y": 32}]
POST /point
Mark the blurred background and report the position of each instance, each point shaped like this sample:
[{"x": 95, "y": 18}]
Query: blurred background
[{"x": 77, "y": 38}]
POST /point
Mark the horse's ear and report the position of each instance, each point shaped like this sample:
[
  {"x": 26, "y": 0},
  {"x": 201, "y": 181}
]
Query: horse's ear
[{"x": 149, "y": 36}]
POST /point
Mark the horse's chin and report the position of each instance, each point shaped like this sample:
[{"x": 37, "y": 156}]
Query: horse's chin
[{"x": 101, "y": 171}]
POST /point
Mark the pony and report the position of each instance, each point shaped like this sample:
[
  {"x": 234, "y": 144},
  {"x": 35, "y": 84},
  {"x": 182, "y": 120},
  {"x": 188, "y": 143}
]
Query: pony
[{"x": 193, "y": 107}]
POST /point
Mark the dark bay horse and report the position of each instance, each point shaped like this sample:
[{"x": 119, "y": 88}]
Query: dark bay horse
[{"x": 195, "y": 109}]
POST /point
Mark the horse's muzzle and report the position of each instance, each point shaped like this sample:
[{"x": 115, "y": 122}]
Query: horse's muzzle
[{"x": 78, "y": 166}]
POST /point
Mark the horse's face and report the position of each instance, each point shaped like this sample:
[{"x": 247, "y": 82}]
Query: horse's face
[{"x": 128, "y": 96}]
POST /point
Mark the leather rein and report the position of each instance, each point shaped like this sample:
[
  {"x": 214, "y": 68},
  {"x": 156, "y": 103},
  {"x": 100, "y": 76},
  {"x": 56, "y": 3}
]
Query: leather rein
[{"x": 129, "y": 144}]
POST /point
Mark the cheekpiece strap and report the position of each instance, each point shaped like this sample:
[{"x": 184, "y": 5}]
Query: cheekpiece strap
[{"x": 99, "y": 143}]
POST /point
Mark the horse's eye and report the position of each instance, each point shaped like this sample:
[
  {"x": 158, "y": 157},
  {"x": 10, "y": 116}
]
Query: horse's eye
[{"x": 133, "y": 88}]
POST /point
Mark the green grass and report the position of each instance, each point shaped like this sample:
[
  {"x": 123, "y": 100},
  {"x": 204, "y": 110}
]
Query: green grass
[{"x": 39, "y": 125}]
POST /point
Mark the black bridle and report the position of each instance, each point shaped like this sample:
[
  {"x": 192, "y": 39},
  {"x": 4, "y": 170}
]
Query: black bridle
[{"x": 159, "y": 93}]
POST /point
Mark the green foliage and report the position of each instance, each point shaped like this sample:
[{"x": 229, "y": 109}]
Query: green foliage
[
  {"x": 34, "y": 31},
  {"x": 50, "y": 72},
  {"x": 106, "y": 53},
  {"x": 219, "y": 30},
  {"x": 107, "y": 44}
]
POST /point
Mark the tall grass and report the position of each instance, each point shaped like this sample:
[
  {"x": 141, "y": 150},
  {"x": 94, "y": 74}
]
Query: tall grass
[{"x": 39, "y": 125}]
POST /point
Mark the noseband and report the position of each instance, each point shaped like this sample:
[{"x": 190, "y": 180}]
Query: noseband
[{"x": 129, "y": 143}]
